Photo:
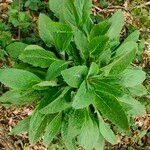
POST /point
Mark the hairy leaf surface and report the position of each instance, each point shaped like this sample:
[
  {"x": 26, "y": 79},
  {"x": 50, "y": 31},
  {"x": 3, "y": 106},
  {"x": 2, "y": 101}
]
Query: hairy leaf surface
[
  {"x": 106, "y": 132},
  {"x": 109, "y": 106},
  {"x": 19, "y": 97},
  {"x": 136, "y": 108},
  {"x": 84, "y": 97},
  {"x": 52, "y": 129},
  {"x": 55, "y": 33},
  {"x": 58, "y": 105},
  {"x": 89, "y": 134},
  {"x": 132, "y": 77},
  {"x": 75, "y": 75},
  {"x": 117, "y": 22},
  {"x": 37, "y": 126},
  {"x": 18, "y": 79},
  {"x": 37, "y": 56},
  {"x": 21, "y": 127},
  {"x": 55, "y": 69},
  {"x": 99, "y": 29},
  {"x": 15, "y": 49}
]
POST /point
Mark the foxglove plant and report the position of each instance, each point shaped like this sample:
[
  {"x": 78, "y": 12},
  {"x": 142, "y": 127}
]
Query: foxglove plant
[{"x": 83, "y": 75}]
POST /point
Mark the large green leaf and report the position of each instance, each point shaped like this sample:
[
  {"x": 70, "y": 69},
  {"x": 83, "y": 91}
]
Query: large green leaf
[
  {"x": 55, "y": 69},
  {"x": 99, "y": 29},
  {"x": 87, "y": 26},
  {"x": 64, "y": 127},
  {"x": 50, "y": 94},
  {"x": 124, "y": 56},
  {"x": 75, "y": 75},
  {"x": 138, "y": 90},
  {"x": 134, "y": 36},
  {"x": 21, "y": 127},
  {"x": 83, "y": 8},
  {"x": 135, "y": 107},
  {"x": 70, "y": 13},
  {"x": 105, "y": 86},
  {"x": 81, "y": 42},
  {"x": 89, "y": 134},
  {"x": 75, "y": 123},
  {"x": 93, "y": 70},
  {"x": 18, "y": 79},
  {"x": 74, "y": 54},
  {"x": 71, "y": 127},
  {"x": 15, "y": 49},
  {"x": 105, "y": 58},
  {"x": 100, "y": 143},
  {"x": 19, "y": 97},
  {"x": 106, "y": 132},
  {"x": 37, "y": 126},
  {"x": 84, "y": 97},
  {"x": 59, "y": 104},
  {"x": 55, "y": 33},
  {"x": 76, "y": 12},
  {"x": 109, "y": 106},
  {"x": 117, "y": 22},
  {"x": 123, "y": 62},
  {"x": 69, "y": 143},
  {"x": 125, "y": 48},
  {"x": 52, "y": 129},
  {"x": 132, "y": 77},
  {"x": 37, "y": 56},
  {"x": 45, "y": 29},
  {"x": 57, "y": 7},
  {"x": 97, "y": 45}
]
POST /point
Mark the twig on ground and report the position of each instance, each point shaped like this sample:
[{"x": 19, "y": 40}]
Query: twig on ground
[
  {"x": 142, "y": 5},
  {"x": 110, "y": 9}
]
